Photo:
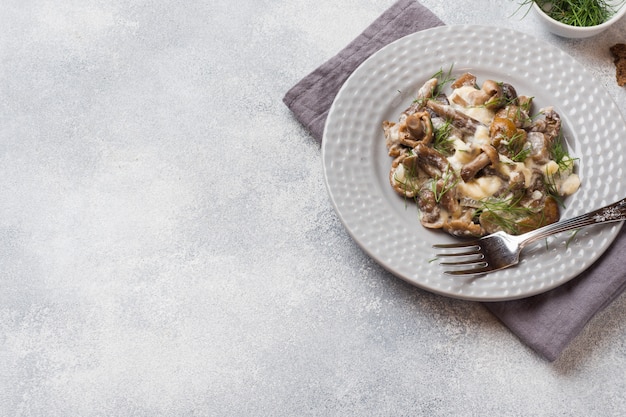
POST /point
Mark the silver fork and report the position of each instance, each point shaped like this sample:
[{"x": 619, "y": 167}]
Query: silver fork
[{"x": 501, "y": 250}]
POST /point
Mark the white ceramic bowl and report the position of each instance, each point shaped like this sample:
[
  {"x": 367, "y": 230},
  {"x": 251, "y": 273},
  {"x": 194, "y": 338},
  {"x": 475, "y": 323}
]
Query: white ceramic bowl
[{"x": 568, "y": 31}]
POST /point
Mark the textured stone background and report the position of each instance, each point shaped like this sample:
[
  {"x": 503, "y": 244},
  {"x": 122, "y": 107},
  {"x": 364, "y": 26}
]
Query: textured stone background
[{"x": 167, "y": 246}]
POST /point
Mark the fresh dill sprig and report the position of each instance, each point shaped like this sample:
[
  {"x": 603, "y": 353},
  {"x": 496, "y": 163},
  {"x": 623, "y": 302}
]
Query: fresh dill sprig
[
  {"x": 443, "y": 80},
  {"x": 442, "y": 141},
  {"x": 502, "y": 101},
  {"x": 505, "y": 213},
  {"x": 557, "y": 150},
  {"x": 560, "y": 155},
  {"x": 449, "y": 179},
  {"x": 408, "y": 184},
  {"x": 552, "y": 189},
  {"x": 517, "y": 147},
  {"x": 527, "y": 104}
]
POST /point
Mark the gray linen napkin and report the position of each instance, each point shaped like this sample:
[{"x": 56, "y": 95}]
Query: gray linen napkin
[{"x": 548, "y": 322}]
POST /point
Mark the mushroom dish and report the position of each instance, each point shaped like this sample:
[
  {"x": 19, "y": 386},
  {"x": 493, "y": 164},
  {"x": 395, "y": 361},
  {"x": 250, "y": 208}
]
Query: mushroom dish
[{"x": 477, "y": 158}]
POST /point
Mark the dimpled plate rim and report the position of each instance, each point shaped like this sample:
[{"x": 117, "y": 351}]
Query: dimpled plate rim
[{"x": 386, "y": 227}]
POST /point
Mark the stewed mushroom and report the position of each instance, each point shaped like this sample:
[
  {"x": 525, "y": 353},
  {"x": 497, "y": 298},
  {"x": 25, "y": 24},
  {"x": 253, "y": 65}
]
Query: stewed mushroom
[{"x": 474, "y": 159}]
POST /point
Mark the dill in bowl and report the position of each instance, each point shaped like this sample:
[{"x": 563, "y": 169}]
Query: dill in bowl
[{"x": 581, "y": 13}]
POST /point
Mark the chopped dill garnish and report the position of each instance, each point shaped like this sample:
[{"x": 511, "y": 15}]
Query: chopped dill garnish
[
  {"x": 502, "y": 101},
  {"x": 527, "y": 104},
  {"x": 505, "y": 213},
  {"x": 517, "y": 147},
  {"x": 557, "y": 150},
  {"x": 450, "y": 180},
  {"x": 559, "y": 154},
  {"x": 408, "y": 184},
  {"x": 443, "y": 80},
  {"x": 441, "y": 140},
  {"x": 552, "y": 189}
]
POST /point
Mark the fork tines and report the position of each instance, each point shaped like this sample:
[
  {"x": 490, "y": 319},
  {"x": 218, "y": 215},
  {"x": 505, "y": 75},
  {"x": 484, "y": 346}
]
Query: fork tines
[
  {"x": 470, "y": 258},
  {"x": 468, "y": 244}
]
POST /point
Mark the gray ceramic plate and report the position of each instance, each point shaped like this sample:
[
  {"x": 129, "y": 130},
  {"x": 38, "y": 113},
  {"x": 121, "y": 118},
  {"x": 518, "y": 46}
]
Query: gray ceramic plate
[{"x": 387, "y": 227}]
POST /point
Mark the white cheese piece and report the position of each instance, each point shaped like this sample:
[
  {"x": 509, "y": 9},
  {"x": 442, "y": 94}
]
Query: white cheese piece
[
  {"x": 462, "y": 154},
  {"x": 470, "y": 101},
  {"x": 480, "y": 113},
  {"x": 480, "y": 188},
  {"x": 481, "y": 136},
  {"x": 510, "y": 168},
  {"x": 570, "y": 185},
  {"x": 462, "y": 97},
  {"x": 550, "y": 169}
]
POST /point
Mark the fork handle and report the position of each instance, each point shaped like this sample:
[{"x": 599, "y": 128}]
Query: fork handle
[{"x": 612, "y": 213}]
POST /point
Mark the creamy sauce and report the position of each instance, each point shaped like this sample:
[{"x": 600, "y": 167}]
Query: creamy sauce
[{"x": 470, "y": 174}]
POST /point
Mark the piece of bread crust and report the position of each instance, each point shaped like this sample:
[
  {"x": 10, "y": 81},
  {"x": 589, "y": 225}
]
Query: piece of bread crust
[
  {"x": 619, "y": 52},
  {"x": 620, "y": 72}
]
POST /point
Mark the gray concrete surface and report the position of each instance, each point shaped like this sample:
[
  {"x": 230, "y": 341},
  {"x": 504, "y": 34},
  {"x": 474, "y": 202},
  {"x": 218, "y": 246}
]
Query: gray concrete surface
[{"x": 167, "y": 246}]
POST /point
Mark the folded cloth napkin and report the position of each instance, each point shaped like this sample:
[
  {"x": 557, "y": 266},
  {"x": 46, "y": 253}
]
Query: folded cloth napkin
[{"x": 547, "y": 322}]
